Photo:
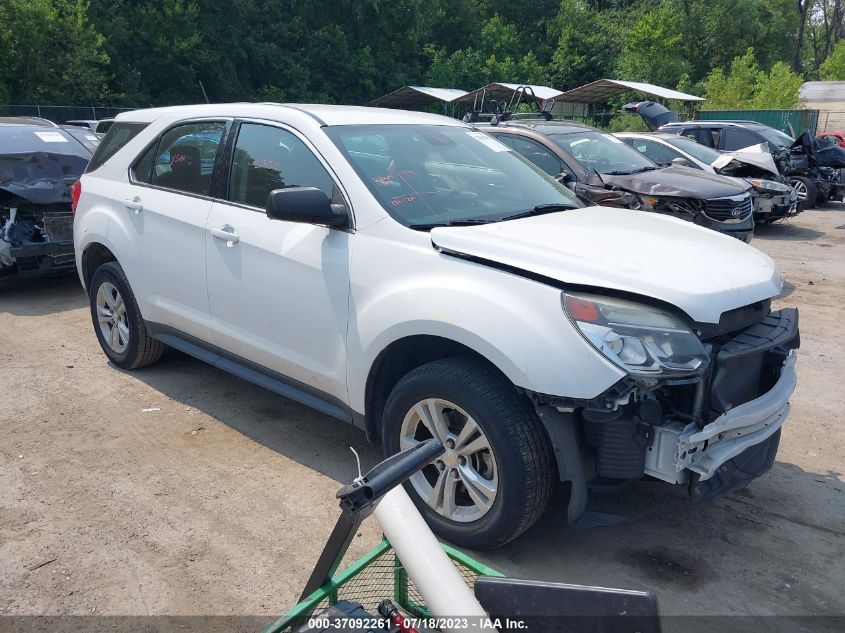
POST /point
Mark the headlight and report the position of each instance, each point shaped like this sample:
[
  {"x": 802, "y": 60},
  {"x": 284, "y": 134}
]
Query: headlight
[
  {"x": 644, "y": 341},
  {"x": 769, "y": 186}
]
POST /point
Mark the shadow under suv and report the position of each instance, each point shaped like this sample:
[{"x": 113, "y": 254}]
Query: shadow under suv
[{"x": 603, "y": 170}]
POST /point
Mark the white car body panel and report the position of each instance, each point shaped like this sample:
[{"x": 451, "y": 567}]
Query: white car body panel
[
  {"x": 693, "y": 268},
  {"x": 279, "y": 296}
]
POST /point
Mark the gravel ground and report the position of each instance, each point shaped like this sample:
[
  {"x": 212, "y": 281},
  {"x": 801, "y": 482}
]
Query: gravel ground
[{"x": 181, "y": 490}]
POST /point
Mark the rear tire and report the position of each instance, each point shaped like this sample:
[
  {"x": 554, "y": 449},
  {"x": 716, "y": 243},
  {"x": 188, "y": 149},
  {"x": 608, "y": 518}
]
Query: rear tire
[
  {"x": 117, "y": 320},
  {"x": 807, "y": 192},
  {"x": 498, "y": 445}
]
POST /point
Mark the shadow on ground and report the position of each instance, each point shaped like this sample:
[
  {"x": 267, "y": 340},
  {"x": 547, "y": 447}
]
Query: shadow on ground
[{"x": 41, "y": 296}]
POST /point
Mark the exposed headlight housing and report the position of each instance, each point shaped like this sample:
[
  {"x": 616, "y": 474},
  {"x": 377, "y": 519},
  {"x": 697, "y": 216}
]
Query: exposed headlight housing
[
  {"x": 769, "y": 186},
  {"x": 642, "y": 340}
]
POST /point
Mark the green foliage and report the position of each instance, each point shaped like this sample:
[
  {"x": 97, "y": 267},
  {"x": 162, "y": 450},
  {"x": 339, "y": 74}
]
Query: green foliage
[
  {"x": 627, "y": 123},
  {"x": 143, "y": 52},
  {"x": 833, "y": 68},
  {"x": 653, "y": 50},
  {"x": 50, "y": 52},
  {"x": 745, "y": 86}
]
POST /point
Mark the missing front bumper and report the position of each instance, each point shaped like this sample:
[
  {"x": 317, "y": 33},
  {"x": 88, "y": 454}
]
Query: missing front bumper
[{"x": 681, "y": 453}]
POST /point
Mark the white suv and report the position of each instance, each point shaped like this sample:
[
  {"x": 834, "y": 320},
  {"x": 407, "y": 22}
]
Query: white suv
[{"x": 411, "y": 275}]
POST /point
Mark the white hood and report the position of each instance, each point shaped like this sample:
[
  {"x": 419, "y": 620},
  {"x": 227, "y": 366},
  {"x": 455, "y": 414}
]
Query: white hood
[
  {"x": 756, "y": 155},
  {"x": 693, "y": 268}
]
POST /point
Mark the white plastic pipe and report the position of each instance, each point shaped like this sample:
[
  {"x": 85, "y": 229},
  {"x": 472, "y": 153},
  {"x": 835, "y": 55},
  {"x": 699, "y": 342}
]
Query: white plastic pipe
[{"x": 444, "y": 590}]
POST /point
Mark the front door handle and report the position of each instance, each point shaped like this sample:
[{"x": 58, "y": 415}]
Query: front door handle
[
  {"x": 135, "y": 204},
  {"x": 226, "y": 233}
]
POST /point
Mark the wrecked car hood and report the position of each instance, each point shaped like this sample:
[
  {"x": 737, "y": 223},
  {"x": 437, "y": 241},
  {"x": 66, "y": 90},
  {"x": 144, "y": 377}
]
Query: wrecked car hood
[
  {"x": 681, "y": 182},
  {"x": 754, "y": 156},
  {"x": 693, "y": 268}
]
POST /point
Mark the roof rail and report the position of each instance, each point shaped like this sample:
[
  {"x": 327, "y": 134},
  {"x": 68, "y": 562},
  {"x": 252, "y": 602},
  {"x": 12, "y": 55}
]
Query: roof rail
[{"x": 501, "y": 112}]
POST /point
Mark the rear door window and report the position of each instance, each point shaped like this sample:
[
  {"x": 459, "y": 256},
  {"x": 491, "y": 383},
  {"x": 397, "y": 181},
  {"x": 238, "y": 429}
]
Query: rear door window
[
  {"x": 704, "y": 135},
  {"x": 737, "y": 138},
  {"x": 118, "y": 136},
  {"x": 184, "y": 158}
]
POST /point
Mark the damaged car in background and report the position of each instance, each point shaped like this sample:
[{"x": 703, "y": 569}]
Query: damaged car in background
[
  {"x": 813, "y": 167},
  {"x": 603, "y": 170},
  {"x": 773, "y": 200},
  {"x": 39, "y": 162}
]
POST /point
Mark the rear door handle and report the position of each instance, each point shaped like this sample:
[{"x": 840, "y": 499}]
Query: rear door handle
[
  {"x": 226, "y": 233},
  {"x": 135, "y": 204}
]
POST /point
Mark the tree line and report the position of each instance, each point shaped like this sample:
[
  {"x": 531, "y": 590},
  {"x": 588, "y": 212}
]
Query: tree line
[{"x": 737, "y": 53}]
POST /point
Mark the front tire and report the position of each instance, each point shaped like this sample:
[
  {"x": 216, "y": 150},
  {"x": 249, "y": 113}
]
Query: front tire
[
  {"x": 117, "y": 320},
  {"x": 495, "y": 479}
]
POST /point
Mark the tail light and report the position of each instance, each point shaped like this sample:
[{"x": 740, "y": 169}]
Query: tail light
[{"x": 75, "y": 192}]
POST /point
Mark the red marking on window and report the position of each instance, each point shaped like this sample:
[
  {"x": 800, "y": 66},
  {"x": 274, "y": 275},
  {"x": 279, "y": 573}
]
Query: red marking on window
[
  {"x": 402, "y": 200},
  {"x": 175, "y": 159},
  {"x": 383, "y": 180}
]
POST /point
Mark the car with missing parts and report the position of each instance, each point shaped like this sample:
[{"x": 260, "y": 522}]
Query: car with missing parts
[
  {"x": 411, "y": 275},
  {"x": 605, "y": 171}
]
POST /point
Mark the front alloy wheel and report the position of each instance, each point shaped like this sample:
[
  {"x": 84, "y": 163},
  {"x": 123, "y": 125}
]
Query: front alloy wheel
[
  {"x": 494, "y": 480},
  {"x": 462, "y": 484}
]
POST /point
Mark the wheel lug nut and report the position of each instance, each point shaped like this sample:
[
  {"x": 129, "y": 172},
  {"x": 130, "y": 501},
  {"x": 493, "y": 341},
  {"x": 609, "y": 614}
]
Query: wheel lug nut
[
  {"x": 440, "y": 465},
  {"x": 462, "y": 460},
  {"x": 450, "y": 443}
]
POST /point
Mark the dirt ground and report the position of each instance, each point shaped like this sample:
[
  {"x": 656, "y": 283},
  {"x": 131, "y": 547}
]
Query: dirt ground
[{"x": 181, "y": 490}]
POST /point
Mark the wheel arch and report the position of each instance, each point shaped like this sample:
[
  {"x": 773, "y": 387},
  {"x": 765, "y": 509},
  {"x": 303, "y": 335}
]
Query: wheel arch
[
  {"x": 94, "y": 255},
  {"x": 400, "y": 357}
]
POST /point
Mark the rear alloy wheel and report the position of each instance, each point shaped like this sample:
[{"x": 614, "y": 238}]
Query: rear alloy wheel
[
  {"x": 111, "y": 315},
  {"x": 117, "y": 320},
  {"x": 806, "y": 190},
  {"x": 494, "y": 480}
]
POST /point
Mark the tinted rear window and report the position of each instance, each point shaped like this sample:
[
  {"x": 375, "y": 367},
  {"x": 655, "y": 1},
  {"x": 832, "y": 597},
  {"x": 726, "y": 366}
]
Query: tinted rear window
[{"x": 118, "y": 136}]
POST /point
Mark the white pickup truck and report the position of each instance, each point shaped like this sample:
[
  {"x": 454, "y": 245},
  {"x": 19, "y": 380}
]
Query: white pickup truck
[{"x": 411, "y": 275}]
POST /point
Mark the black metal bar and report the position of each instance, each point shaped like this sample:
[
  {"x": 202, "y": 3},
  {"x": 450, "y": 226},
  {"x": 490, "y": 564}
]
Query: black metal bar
[{"x": 335, "y": 549}]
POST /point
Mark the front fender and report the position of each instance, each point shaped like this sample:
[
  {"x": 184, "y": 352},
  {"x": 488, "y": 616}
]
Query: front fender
[{"x": 514, "y": 322}]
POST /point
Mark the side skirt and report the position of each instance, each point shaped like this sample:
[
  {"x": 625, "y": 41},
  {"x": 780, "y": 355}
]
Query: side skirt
[{"x": 252, "y": 372}]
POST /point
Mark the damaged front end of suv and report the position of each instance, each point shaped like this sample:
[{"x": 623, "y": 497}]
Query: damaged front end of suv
[
  {"x": 702, "y": 404},
  {"x": 38, "y": 164}
]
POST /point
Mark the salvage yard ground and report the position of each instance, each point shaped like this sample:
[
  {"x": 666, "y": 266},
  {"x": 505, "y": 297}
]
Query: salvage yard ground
[{"x": 181, "y": 490}]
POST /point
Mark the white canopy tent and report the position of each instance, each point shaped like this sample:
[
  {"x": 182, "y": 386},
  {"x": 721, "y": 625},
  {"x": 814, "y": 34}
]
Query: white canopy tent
[{"x": 417, "y": 97}]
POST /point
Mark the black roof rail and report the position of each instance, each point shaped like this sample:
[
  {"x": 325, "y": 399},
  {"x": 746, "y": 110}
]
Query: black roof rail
[{"x": 500, "y": 112}]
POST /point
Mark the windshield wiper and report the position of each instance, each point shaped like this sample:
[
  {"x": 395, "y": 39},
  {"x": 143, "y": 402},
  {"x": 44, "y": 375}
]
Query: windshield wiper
[
  {"x": 460, "y": 222},
  {"x": 541, "y": 209},
  {"x": 628, "y": 173}
]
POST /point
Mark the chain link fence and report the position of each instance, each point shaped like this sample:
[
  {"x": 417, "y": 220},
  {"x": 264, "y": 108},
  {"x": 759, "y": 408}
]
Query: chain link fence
[{"x": 64, "y": 113}]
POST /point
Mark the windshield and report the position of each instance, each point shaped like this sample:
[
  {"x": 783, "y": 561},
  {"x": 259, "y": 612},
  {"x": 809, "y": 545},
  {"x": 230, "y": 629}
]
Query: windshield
[
  {"x": 440, "y": 174},
  {"x": 775, "y": 137},
  {"x": 696, "y": 150},
  {"x": 603, "y": 153}
]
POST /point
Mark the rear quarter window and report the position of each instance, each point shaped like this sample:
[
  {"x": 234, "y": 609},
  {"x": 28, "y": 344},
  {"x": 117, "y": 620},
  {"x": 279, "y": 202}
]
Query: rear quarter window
[{"x": 118, "y": 135}]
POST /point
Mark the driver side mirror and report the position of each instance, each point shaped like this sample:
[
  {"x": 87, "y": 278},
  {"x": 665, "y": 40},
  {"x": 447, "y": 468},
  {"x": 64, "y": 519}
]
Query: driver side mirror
[
  {"x": 308, "y": 205},
  {"x": 680, "y": 162}
]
